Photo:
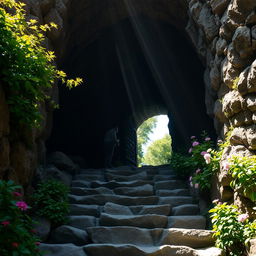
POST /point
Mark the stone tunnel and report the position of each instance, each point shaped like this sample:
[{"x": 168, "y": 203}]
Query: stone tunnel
[{"x": 136, "y": 61}]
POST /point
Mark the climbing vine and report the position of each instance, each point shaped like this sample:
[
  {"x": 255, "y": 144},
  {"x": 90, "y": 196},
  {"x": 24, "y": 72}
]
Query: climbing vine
[{"x": 27, "y": 70}]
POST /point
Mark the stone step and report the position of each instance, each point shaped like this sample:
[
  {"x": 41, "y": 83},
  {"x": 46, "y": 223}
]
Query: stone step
[
  {"x": 92, "y": 171},
  {"x": 162, "y": 177},
  {"x": 136, "y": 250},
  {"x": 142, "y": 221},
  {"x": 138, "y": 176},
  {"x": 81, "y": 191},
  {"x": 140, "y": 236},
  {"x": 144, "y": 190},
  {"x": 176, "y": 200},
  {"x": 186, "y": 209},
  {"x": 68, "y": 234},
  {"x": 173, "y": 192},
  {"x": 116, "y": 209},
  {"x": 188, "y": 222},
  {"x": 62, "y": 250},
  {"x": 115, "y": 184},
  {"x": 81, "y": 183},
  {"x": 82, "y": 222},
  {"x": 117, "y": 199},
  {"x": 83, "y": 209},
  {"x": 170, "y": 184}
]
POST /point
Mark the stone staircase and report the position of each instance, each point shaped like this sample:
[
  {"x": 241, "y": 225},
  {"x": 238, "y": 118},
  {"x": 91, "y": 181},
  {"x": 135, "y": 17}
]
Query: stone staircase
[{"x": 131, "y": 212}]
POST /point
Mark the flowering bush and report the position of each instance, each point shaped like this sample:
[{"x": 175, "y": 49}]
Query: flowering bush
[
  {"x": 232, "y": 229},
  {"x": 16, "y": 234},
  {"x": 51, "y": 201},
  {"x": 243, "y": 170}
]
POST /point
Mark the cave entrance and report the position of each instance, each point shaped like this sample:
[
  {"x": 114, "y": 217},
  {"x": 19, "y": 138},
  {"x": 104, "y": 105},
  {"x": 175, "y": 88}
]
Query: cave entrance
[
  {"x": 154, "y": 141},
  {"x": 131, "y": 70}
]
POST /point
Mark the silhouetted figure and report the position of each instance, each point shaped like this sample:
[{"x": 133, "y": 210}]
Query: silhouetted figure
[{"x": 110, "y": 142}]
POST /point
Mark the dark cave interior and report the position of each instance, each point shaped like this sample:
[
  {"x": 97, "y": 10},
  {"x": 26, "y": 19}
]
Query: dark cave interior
[{"x": 133, "y": 70}]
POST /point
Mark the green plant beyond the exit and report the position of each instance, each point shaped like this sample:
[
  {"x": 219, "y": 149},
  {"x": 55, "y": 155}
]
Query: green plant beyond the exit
[
  {"x": 17, "y": 236},
  {"x": 26, "y": 68},
  {"x": 232, "y": 229},
  {"x": 51, "y": 201}
]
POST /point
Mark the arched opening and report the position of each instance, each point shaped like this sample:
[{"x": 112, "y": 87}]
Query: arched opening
[
  {"x": 131, "y": 67},
  {"x": 154, "y": 141}
]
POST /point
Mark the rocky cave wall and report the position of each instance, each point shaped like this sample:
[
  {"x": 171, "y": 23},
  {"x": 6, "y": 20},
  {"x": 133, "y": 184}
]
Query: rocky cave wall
[{"x": 224, "y": 34}]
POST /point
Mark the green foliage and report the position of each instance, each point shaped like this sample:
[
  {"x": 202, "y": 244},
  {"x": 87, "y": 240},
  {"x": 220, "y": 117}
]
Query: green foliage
[
  {"x": 51, "y": 201},
  {"x": 16, "y": 234},
  {"x": 232, "y": 229},
  {"x": 159, "y": 152},
  {"x": 182, "y": 164},
  {"x": 26, "y": 67},
  {"x": 143, "y": 134},
  {"x": 243, "y": 170}
]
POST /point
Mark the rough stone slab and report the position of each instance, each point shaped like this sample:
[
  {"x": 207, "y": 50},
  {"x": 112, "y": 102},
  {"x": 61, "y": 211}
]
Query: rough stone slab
[
  {"x": 194, "y": 238},
  {"x": 123, "y": 200},
  {"x": 166, "y": 172},
  {"x": 89, "y": 177},
  {"x": 139, "y": 176},
  {"x": 176, "y": 200},
  {"x": 170, "y": 184},
  {"x": 81, "y": 209},
  {"x": 122, "y": 235},
  {"x": 124, "y": 172},
  {"x": 80, "y": 183},
  {"x": 145, "y": 190},
  {"x": 61, "y": 250},
  {"x": 143, "y": 221},
  {"x": 114, "y": 184},
  {"x": 173, "y": 192},
  {"x": 132, "y": 250},
  {"x": 116, "y": 209},
  {"x": 162, "y": 177},
  {"x": 67, "y": 234},
  {"x": 90, "y": 191},
  {"x": 140, "y": 236},
  {"x": 212, "y": 251},
  {"x": 189, "y": 222},
  {"x": 164, "y": 209},
  {"x": 186, "y": 209},
  {"x": 82, "y": 222}
]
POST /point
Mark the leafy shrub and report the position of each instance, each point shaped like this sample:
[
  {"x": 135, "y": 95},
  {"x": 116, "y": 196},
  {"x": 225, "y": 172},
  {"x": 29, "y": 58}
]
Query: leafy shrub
[
  {"x": 232, "y": 229},
  {"x": 51, "y": 201},
  {"x": 243, "y": 170},
  {"x": 26, "y": 67},
  {"x": 182, "y": 164},
  {"x": 16, "y": 234}
]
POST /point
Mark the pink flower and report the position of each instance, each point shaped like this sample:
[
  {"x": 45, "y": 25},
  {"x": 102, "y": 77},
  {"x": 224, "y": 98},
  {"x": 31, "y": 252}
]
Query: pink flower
[
  {"x": 226, "y": 166},
  {"x": 196, "y": 185},
  {"x": 198, "y": 171},
  {"x": 37, "y": 243},
  {"x": 203, "y": 153},
  {"x": 22, "y": 205},
  {"x": 207, "y": 139},
  {"x": 216, "y": 201},
  {"x": 5, "y": 223},
  {"x": 190, "y": 178},
  {"x": 195, "y": 143},
  {"x": 219, "y": 141},
  {"x": 207, "y": 158},
  {"x": 14, "y": 244},
  {"x": 190, "y": 150},
  {"x": 192, "y": 137},
  {"x": 242, "y": 217},
  {"x": 191, "y": 184},
  {"x": 17, "y": 194}
]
